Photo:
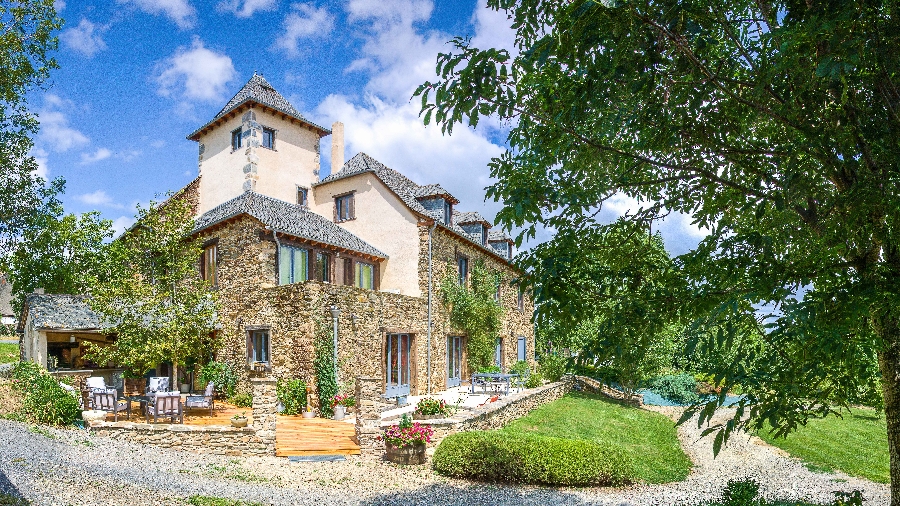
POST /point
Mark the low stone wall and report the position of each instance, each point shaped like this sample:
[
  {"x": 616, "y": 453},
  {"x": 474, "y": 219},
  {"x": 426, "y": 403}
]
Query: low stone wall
[
  {"x": 496, "y": 414},
  {"x": 595, "y": 387},
  {"x": 218, "y": 440}
]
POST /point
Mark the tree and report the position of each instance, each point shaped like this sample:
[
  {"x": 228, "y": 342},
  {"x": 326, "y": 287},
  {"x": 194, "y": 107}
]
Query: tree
[
  {"x": 474, "y": 310},
  {"x": 151, "y": 296},
  {"x": 26, "y": 40},
  {"x": 773, "y": 124},
  {"x": 59, "y": 253}
]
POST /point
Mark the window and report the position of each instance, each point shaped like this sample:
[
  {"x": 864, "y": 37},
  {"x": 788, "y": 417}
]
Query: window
[
  {"x": 398, "y": 372},
  {"x": 293, "y": 265},
  {"x": 521, "y": 301},
  {"x": 448, "y": 212},
  {"x": 454, "y": 361},
  {"x": 348, "y": 271},
  {"x": 209, "y": 265},
  {"x": 268, "y": 138},
  {"x": 302, "y": 196},
  {"x": 463, "y": 264},
  {"x": 236, "y": 139},
  {"x": 344, "y": 208},
  {"x": 323, "y": 267},
  {"x": 498, "y": 353},
  {"x": 509, "y": 251},
  {"x": 521, "y": 349},
  {"x": 497, "y": 293},
  {"x": 365, "y": 275},
  {"x": 484, "y": 234},
  {"x": 258, "y": 346}
]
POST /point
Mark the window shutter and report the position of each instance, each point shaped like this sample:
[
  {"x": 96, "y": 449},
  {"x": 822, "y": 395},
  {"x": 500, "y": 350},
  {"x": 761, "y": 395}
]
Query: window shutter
[
  {"x": 376, "y": 283},
  {"x": 352, "y": 199},
  {"x": 335, "y": 210}
]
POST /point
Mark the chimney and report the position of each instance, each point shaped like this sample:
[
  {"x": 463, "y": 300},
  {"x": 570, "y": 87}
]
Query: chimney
[{"x": 337, "y": 147}]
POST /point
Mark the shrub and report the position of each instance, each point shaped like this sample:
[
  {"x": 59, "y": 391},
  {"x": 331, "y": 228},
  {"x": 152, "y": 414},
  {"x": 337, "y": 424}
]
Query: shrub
[
  {"x": 491, "y": 369},
  {"x": 679, "y": 388},
  {"x": 500, "y": 456},
  {"x": 534, "y": 380},
  {"x": 746, "y": 493},
  {"x": 553, "y": 367},
  {"x": 242, "y": 400},
  {"x": 222, "y": 375},
  {"x": 292, "y": 395},
  {"x": 430, "y": 407},
  {"x": 521, "y": 368},
  {"x": 45, "y": 401},
  {"x": 323, "y": 363}
]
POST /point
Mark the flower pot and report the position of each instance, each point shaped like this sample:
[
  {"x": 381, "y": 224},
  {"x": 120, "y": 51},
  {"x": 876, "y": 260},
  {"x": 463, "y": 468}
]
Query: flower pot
[
  {"x": 339, "y": 413},
  {"x": 406, "y": 455},
  {"x": 417, "y": 416},
  {"x": 309, "y": 414},
  {"x": 239, "y": 422},
  {"x": 185, "y": 388}
]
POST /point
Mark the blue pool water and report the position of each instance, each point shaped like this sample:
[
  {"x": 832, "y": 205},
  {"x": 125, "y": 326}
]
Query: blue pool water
[{"x": 654, "y": 399}]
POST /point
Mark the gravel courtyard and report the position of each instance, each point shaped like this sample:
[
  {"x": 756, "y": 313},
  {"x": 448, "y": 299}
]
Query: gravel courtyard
[{"x": 71, "y": 467}]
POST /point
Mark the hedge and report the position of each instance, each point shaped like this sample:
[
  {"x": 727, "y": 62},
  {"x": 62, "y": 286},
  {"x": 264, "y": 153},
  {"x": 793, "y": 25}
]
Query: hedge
[{"x": 499, "y": 456}]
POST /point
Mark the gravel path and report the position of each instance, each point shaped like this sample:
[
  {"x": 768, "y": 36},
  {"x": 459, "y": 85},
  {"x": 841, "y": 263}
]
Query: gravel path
[{"x": 71, "y": 467}]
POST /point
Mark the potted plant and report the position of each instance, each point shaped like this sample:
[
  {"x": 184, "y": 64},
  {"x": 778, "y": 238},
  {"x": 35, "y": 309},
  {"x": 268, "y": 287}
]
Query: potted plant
[
  {"x": 431, "y": 409},
  {"x": 405, "y": 442},
  {"x": 240, "y": 420},
  {"x": 341, "y": 404}
]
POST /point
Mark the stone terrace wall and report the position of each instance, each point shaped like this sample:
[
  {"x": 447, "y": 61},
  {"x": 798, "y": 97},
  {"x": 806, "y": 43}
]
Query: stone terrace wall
[
  {"x": 201, "y": 439},
  {"x": 499, "y": 413},
  {"x": 593, "y": 386}
]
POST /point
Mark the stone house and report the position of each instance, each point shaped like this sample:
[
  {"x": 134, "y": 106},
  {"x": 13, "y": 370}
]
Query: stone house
[{"x": 363, "y": 251}]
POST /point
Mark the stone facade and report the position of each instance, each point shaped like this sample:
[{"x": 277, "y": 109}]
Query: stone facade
[{"x": 368, "y": 417}]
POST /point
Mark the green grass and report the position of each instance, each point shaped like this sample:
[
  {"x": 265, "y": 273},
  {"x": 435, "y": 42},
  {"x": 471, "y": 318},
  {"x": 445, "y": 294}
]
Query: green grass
[
  {"x": 648, "y": 438},
  {"x": 9, "y": 353},
  {"x": 855, "y": 444},
  {"x": 205, "y": 500}
]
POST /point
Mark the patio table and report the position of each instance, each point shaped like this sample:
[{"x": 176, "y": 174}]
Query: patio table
[
  {"x": 494, "y": 381},
  {"x": 143, "y": 399}
]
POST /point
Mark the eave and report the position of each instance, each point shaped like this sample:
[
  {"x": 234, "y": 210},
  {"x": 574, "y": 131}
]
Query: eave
[{"x": 248, "y": 104}]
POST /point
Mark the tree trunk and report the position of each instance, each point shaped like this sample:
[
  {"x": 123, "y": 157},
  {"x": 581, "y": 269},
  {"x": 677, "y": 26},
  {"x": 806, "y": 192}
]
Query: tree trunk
[{"x": 889, "y": 364}]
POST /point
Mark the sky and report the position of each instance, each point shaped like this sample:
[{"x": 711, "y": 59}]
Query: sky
[{"x": 137, "y": 76}]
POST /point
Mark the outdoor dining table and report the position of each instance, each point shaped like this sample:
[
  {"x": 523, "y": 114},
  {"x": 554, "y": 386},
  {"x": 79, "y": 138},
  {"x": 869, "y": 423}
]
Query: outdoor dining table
[
  {"x": 143, "y": 399},
  {"x": 494, "y": 380}
]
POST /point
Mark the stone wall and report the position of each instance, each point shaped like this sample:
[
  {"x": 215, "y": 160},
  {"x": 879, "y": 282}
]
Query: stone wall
[
  {"x": 368, "y": 417},
  {"x": 593, "y": 386}
]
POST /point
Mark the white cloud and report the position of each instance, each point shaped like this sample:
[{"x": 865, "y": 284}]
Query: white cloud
[
  {"x": 158, "y": 143},
  {"x": 40, "y": 156},
  {"x": 181, "y": 12},
  {"x": 195, "y": 73},
  {"x": 59, "y": 5},
  {"x": 98, "y": 155},
  {"x": 56, "y": 132},
  {"x": 121, "y": 224},
  {"x": 245, "y": 8},
  {"x": 98, "y": 198},
  {"x": 305, "y": 21},
  {"x": 493, "y": 29},
  {"x": 84, "y": 38}
]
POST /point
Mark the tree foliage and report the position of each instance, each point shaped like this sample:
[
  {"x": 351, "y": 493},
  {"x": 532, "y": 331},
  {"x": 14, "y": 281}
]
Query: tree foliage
[
  {"x": 151, "y": 295},
  {"x": 27, "y": 39},
  {"x": 58, "y": 253},
  {"x": 475, "y": 311},
  {"x": 772, "y": 124}
]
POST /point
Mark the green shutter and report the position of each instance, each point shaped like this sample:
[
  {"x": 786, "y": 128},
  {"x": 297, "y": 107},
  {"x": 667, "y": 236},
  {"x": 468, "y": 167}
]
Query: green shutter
[
  {"x": 284, "y": 265},
  {"x": 301, "y": 264}
]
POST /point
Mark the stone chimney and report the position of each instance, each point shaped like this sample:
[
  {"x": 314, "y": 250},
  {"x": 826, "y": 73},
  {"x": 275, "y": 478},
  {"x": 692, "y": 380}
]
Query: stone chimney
[{"x": 337, "y": 147}]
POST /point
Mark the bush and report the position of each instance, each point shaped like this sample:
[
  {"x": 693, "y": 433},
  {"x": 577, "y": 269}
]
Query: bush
[
  {"x": 679, "y": 388},
  {"x": 222, "y": 375},
  {"x": 534, "y": 380},
  {"x": 292, "y": 395},
  {"x": 431, "y": 407},
  {"x": 499, "y": 456},
  {"x": 553, "y": 367},
  {"x": 45, "y": 401},
  {"x": 491, "y": 369},
  {"x": 746, "y": 493},
  {"x": 242, "y": 400}
]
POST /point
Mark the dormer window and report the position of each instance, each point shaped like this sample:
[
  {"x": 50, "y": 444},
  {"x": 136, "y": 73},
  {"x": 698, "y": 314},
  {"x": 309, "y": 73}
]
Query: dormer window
[
  {"x": 509, "y": 251},
  {"x": 484, "y": 234},
  {"x": 236, "y": 139},
  {"x": 448, "y": 212}
]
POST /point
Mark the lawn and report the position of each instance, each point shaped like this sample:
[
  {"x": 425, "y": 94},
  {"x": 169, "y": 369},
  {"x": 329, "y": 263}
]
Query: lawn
[
  {"x": 855, "y": 444},
  {"x": 649, "y": 438},
  {"x": 9, "y": 353}
]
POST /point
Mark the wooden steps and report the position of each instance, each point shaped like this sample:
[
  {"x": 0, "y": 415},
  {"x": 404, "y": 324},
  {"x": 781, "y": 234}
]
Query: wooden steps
[{"x": 298, "y": 436}]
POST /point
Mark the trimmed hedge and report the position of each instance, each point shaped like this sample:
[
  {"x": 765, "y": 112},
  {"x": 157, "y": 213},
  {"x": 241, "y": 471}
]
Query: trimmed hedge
[{"x": 498, "y": 456}]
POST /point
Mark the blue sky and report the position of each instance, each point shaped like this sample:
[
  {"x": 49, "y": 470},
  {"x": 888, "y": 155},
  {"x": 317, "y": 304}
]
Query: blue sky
[{"x": 137, "y": 76}]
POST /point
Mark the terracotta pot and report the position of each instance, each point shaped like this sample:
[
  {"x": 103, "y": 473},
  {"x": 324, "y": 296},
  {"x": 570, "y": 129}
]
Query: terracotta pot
[
  {"x": 407, "y": 455},
  {"x": 239, "y": 422}
]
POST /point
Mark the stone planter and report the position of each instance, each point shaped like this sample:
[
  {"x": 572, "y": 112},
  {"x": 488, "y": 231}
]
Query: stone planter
[
  {"x": 185, "y": 388},
  {"x": 309, "y": 414},
  {"x": 417, "y": 416},
  {"x": 239, "y": 422},
  {"x": 93, "y": 415},
  {"x": 407, "y": 455}
]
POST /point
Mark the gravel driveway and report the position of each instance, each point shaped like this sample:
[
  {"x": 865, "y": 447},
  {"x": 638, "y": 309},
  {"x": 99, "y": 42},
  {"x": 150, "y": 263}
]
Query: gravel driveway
[{"x": 71, "y": 467}]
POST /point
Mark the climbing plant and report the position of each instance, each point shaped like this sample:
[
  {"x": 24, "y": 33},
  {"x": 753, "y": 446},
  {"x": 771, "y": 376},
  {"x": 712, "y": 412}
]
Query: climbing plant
[
  {"x": 474, "y": 310},
  {"x": 323, "y": 363}
]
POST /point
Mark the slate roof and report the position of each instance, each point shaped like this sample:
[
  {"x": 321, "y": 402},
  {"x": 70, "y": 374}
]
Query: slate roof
[
  {"x": 259, "y": 91},
  {"x": 435, "y": 190},
  {"x": 409, "y": 192},
  {"x": 498, "y": 236},
  {"x": 291, "y": 219},
  {"x": 61, "y": 312},
  {"x": 5, "y": 297}
]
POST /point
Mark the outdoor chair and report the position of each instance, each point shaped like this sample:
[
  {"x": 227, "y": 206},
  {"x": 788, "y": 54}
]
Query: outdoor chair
[
  {"x": 95, "y": 383},
  {"x": 204, "y": 401},
  {"x": 167, "y": 404},
  {"x": 154, "y": 385},
  {"x": 107, "y": 400}
]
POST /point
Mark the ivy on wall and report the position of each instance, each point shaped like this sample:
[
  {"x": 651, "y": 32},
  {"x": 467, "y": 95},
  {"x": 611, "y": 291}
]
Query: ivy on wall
[
  {"x": 323, "y": 363},
  {"x": 474, "y": 310}
]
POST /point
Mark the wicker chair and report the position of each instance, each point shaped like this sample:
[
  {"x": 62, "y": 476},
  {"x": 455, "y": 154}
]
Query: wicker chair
[{"x": 204, "y": 401}]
